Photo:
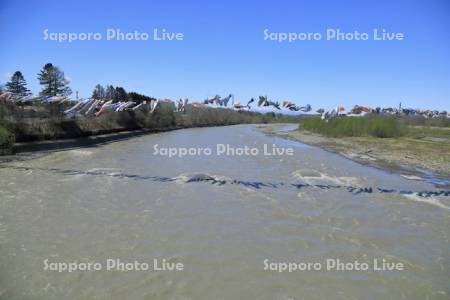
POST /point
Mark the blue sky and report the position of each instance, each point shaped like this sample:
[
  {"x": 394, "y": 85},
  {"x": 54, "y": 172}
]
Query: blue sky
[{"x": 224, "y": 50}]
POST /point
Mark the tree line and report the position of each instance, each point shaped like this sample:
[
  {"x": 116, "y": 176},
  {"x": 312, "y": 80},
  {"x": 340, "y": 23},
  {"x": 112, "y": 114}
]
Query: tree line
[
  {"x": 54, "y": 83},
  {"x": 118, "y": 93},
  {"x": 52, "y": 79}
]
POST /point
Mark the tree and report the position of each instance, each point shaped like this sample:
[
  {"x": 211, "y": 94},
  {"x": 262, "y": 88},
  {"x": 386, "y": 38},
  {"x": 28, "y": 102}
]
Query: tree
[
  {"x": 18, "y": 86},
  {"x": 136, "y": 97},
  {"x": 110, "y": 92},
  {"x": 54, "y": 82},
  {"x": 120, "y": 94},
  {"x": 99, "y": 92}
]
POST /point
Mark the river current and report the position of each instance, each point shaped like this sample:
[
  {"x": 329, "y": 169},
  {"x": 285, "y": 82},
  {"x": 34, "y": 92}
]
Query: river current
[{"x": 233, "y": 222}]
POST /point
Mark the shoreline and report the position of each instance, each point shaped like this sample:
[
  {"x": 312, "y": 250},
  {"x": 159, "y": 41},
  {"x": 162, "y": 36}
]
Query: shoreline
[
  {"x": 384, "y": 154},
  {"x": 365, "y": 150},
  {"x": 17, "y": 135},
  {"x": 85, "y": 141},
  {"x": 26, "y": 150}
]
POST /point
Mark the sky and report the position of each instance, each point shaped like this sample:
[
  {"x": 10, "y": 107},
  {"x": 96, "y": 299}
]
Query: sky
[{"x": 224, "y": 50}]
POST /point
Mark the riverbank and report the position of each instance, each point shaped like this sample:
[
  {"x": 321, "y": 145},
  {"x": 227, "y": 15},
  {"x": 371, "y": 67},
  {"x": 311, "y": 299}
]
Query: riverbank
[
  {"x": 18, "y": 134},
  {"x": 421, "y": 154}
]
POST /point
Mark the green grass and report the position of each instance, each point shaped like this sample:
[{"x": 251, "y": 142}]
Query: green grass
[
  {"x": 442, "y": 122},
  {"x": 376, "y": 126},
  {"x": 429, "y": 131}
]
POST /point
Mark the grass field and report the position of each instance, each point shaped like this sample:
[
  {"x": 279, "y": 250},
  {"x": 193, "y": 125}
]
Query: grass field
[
  {"x": 383, "y": 141},
  {"x": 376, "y": 126}
]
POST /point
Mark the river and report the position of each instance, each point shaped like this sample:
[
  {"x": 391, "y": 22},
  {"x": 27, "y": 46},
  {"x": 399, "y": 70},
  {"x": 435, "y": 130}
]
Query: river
[{"x": 231, "y": 222}]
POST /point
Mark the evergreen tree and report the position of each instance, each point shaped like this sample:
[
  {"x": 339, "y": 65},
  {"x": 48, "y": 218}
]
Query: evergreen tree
[
  {"x": 99, "y": 92},
  {"x": 136, "y": 97},
  {"x": 110, "y": 92},
  {"x": 18, "y": 86},
  {"x": 54, "y": 82},
  {"x": 120, "y": 94}
]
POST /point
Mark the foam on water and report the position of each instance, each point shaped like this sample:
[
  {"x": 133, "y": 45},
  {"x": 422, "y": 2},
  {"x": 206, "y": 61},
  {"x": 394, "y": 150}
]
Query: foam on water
[
  {"x": 79, "y": 152},
  {"x": 106, "y": 171},
  {"x": 411, "y": 177},
  {"x": 198, "y": 177},
  {"x": 312, "y": 177},
  {"x": 429, "y": 200}
]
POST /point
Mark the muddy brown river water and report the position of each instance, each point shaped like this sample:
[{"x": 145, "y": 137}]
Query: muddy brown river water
[{"x": 229, "y": 225}]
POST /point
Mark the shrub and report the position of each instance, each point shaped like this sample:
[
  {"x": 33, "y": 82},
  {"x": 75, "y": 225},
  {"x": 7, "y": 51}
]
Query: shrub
[
  {"x": 377, "y": 126},
  {"x": 6, "y": 141},
  {"x": 44, "y": 122}
]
